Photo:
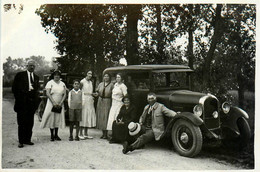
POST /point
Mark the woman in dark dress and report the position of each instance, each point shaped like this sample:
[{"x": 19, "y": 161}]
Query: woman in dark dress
[
  {"x": 104, "y": 91},
  {"x": 126, "y": 115}
]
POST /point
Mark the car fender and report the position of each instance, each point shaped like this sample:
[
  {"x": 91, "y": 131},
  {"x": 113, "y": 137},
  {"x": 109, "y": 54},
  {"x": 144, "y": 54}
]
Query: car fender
[
  {"x": 188, "y": 116},
  {"x": 229, "y": 121}
]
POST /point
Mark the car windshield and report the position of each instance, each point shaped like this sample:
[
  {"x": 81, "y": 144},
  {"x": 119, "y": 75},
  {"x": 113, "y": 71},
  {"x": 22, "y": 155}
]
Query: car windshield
[{"x": 171, "y": 80}]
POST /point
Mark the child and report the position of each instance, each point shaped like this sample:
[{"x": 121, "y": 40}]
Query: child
[{"x": 75, "y": 109}]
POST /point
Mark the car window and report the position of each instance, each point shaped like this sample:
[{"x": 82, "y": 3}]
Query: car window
[
  {"x": 160, "y": 80},
  {"x": 139, "y": 80},
  {"x": 173, "y": 80}
]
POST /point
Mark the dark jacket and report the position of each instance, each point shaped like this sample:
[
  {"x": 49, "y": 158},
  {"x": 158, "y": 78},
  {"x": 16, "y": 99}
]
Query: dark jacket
[
  {"x": 127, "y": 115},
  {"x": 20, "y": 88}
]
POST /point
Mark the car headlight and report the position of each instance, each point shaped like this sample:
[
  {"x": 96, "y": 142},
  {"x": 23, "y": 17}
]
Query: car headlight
[
  {"x": 225, "y": 107},
  {"x": 215, "y": 114},
  {"x": 197, "y": 110}
]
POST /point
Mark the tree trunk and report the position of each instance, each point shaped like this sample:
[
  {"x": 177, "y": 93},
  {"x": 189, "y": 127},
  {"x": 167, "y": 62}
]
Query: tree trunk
[
  {"x": 133, "y": 12},
  {"x": 190, "y": 33},
  {"x": 215, "y": 38},
  {"x": 240, "y": 62},
  {"x": 160, "y": 56}
]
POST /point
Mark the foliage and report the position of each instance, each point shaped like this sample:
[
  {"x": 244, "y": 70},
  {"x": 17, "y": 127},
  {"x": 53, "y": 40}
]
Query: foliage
[
  {"x": 90, "y": 36},
  {"x": 217, "y": 40},
  {"x": 8, "y": 7},
  {"x": 13, "y": 66}
]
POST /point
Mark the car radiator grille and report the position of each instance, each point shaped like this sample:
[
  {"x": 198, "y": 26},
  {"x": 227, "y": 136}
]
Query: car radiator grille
[{"x": 211, "y": 105}]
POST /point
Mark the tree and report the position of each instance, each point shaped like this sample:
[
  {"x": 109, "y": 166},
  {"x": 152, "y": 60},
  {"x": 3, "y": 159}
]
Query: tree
[
  {"x": 90, "y": 36},
  {"x": 13, "y": 66},
  {"x": 8, "y": 7},
  {"x": 133, "y": 13}
]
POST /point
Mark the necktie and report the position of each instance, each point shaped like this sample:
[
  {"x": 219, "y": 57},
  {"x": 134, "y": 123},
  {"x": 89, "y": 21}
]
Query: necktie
[{"x": 31, "y": 78}]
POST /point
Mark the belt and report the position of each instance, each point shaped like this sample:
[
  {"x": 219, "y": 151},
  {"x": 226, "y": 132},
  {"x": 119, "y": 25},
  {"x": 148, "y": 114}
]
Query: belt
[{"x": 105, "y": 97}]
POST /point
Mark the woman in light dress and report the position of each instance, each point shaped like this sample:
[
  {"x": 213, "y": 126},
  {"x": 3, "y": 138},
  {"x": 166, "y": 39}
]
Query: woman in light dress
[
  {"x": 118, "y": 92},
  {"x": 56, "y": 93},
  {"x": 104, "y": 91},
  {"x": 88, "y": 110}
]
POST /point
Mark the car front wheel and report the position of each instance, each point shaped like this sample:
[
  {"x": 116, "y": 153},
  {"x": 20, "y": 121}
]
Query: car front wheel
[{"x": 186, "y": 138}]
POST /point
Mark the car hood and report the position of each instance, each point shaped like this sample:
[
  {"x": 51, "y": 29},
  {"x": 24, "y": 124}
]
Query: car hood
[{"x": 186, "y": 96}]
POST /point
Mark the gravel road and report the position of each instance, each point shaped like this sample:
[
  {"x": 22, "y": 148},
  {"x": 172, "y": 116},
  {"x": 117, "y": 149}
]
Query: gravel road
[{"x": 91, "y": 154}]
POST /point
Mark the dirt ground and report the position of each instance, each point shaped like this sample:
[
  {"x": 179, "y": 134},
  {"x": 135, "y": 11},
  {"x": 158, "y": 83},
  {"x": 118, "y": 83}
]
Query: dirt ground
[{"x": 99, "y": 154}]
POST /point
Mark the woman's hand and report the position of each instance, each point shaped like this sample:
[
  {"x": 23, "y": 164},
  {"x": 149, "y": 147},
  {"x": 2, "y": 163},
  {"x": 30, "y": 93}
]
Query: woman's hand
[{"x": 95, "y": 94}]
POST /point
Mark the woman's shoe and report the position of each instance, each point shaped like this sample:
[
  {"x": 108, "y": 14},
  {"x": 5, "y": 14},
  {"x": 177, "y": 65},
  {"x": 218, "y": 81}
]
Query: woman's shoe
[
  {"x": 81, "y": 138},
  {"x": 102, "y": 137},
  {"x": 52, "y": 139},
  {"x": 57, "y": 138},
  {"x": 88, "y": 137},
  {"x": 77, "y": 138}
]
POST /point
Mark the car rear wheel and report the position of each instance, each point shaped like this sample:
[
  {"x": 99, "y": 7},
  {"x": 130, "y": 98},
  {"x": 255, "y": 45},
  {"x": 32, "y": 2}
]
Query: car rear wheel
[{"x": 186, "y": 138}]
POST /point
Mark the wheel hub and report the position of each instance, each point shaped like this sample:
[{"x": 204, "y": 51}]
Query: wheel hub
[{"x": 184, "y": 138}]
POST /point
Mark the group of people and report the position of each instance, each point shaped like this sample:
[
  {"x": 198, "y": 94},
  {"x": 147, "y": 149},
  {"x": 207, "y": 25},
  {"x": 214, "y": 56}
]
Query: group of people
[{"x": 115, "y": 114}]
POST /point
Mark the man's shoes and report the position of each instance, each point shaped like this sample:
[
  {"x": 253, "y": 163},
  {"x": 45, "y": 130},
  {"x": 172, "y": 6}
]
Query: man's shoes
[
  {"x": 77, "y": 138},
  {"x": 57, "y": 138},
  {"x": 20, "y": 145},
  {"x": 126, "y": 148},
  {"x": 70, "y": 138},
  {"x": 29, "y": 143}
]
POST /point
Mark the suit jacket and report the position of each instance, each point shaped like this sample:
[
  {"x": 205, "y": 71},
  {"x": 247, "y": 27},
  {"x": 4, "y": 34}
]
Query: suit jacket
[
  {"x": 158, "y": 112},
  {"x": 127, "y": 115},
  {"x": 20, "y": 88}
]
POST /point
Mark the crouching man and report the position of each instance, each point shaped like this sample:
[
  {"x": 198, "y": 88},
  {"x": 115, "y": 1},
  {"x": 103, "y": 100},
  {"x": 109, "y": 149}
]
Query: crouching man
[{"x": 152, "y": 121}]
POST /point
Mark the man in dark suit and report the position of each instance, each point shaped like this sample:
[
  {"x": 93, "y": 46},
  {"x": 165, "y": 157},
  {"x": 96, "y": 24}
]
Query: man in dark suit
[{"x": 25, "y": 89}]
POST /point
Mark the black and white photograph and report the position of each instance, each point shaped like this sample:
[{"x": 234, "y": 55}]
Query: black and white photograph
[{"x": 143, "y": 85}]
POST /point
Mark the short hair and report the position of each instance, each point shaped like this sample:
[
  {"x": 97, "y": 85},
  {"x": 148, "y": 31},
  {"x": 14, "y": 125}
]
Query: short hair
[
  {"x": 108, "y": 76},
  {"x": 121, "y": 75},
  {"x": 126, "y": 97},
  {"x": 151, "y": 94},
  {"x": 56, "y": 72},
  {"x": 53, "y": 73},
  {"x": 76, "y": 80},
  {"x": 31, "y": 61}
]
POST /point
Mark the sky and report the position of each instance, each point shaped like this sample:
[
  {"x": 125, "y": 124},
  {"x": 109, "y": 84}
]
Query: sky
[{"x": 23, "y": 36}]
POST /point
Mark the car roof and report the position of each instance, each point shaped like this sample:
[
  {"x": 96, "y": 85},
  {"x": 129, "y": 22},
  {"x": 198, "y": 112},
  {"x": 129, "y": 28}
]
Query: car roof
[{"x": 156, "y": 68}]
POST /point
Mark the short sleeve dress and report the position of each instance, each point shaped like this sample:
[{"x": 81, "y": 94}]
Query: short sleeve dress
[
  {"x": 49, "y": 118},
  {"x": 118, "y": 92},
  {"x": 104, "y": 104},
  {"x": 88, "y": 110}
]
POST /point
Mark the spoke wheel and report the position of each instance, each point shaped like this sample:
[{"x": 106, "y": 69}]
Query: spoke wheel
[{"x": 186, "y": 138}]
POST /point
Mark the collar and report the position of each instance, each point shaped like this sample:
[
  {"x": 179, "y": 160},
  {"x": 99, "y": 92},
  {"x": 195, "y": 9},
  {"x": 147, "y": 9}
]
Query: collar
[
  {"x": 155, "y": 105},
  {"x": 29, "y": 72},
  {"x": 76, "y": 91}
]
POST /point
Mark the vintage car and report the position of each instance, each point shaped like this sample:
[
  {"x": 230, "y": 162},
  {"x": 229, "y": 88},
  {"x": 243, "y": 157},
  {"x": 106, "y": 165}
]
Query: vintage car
[
  {"x": 201, "y": 117},
  {"x": 68, "y": 80}
]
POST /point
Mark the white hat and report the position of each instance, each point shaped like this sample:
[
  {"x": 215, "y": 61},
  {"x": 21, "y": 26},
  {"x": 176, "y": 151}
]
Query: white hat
[{"x": 134, "y": 128}]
